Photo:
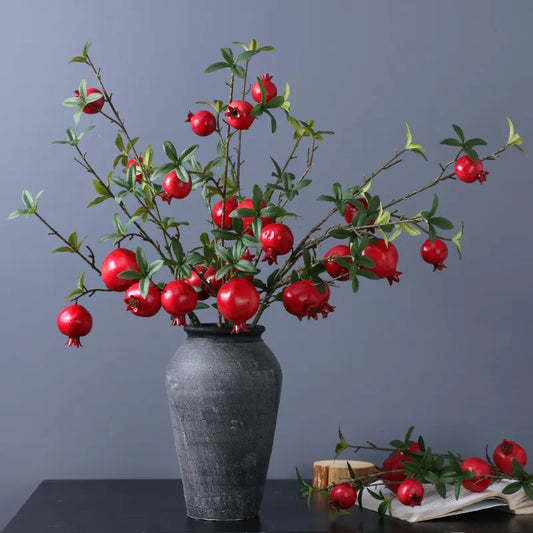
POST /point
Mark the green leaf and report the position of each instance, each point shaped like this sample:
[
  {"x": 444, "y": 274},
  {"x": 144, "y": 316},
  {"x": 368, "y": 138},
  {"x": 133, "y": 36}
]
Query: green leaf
[
  {"x": 410, "y": 230},
  {"x": 17, "y": 213},
  {"x": 470, "y": 152},
  {"x": 27, "y": 199},
  {"x": 216, "y": 66},
  {"x": 355, "y": 284},
  {"x": 296, "y": 125},
  {"x": 155, "y": 266},
  {"x": 129, "y": 274},
  {"x": 257, "y": 197},
  {"x": 163, "y": 170},
  {"x": 340, "y": 233},
  {"x": 341, "y": 445},
  {"x": 246, "y": 55},
  {"x": 337, "y": 191},
  {"x": 72, "y": 101},
  {"x": 73, "y": 240},
  {"x": 142, "y": 261},
  {"x": 475, "y": 142},
  {"x": 363, "y": 272},
  {"x": 224, "y": 235},
  {"x": 77, "y": 115},
  {"x": 528, "y": 489},
  {"x": 257, "y": 226},
  {"x": 227, "y": 54},
  {"x": 287, "y": 92},
  {"x": 263, "y": 90},
  {"x": 396, "y": 443},
  {"x": 89, "y": 99},
  {"x": 325, "y": 198},
  {"x": 451, "y": 142},
  {"x": 246, "y": 267},
  {"x": 85, "y": 50},
  {"x": 272, "y": 121},
  {"x": 238, "y": 71},
  {"x": 221, "y": 272},
  {"x": 441, "y": 489},
  {"x": 119, "y": 143},
  {"x": 518, "y": 470},
  {"x": 243, "y": 212},
  {"x": 457, "y": 239},
  {"x": 100, "y": 188},
  {"x": 396, "y": 234},
  {"x": 182, "y": 173},
  {"x": 170, "y": 151},
  {"x": 350, "y": 470},
  {"x": 275, "y": 102},
  {"x": 273, "y": 211},
  {"x": 514, "y": 139},
  {"x": 188, "y": 153},
  {"x": 78, "y": 59},
  {"x": 432, "y": 232},
  {"x": 441, "y": 222},
  {"x": 80, "y": 281},
  {"x": 457, "y": 489},
  {"x": 144, "y": 286},
  {"x": 148, "y": 156},
  {"x": 512, "y": 487},
  {"x": 223, "y": 253},
  {"x": 119, "y": 182},
  {"x": 251, "y": 242},
  {"x": 63, "y": 249},
  {"x": 459, "y": 132}
]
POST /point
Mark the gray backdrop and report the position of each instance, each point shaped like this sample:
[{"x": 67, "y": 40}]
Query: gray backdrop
[{"x": 448, "y": 352}]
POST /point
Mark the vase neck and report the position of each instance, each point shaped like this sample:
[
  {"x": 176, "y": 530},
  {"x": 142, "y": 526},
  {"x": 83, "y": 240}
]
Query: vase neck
[{"x": 213, "y": 331}]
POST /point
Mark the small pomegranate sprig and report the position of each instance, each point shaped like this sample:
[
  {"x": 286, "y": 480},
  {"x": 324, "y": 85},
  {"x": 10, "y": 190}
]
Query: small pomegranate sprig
[
  {"x": 412, "y": 464},
  {"x": 248, "y": 234}
]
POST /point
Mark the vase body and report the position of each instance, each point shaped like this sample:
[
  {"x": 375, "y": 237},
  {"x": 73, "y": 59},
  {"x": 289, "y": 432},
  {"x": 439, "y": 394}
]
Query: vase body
[{"x": 223, "y": 392}]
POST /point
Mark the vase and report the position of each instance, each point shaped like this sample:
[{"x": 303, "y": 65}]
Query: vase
[{"x": 223, "y": 391}]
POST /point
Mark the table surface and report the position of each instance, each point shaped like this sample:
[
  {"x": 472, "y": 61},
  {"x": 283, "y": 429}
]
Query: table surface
[{"x": 157, "y": 506}]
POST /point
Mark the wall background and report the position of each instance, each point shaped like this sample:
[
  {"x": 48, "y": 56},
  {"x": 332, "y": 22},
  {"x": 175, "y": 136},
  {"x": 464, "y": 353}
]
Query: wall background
[{"x": 448, "y": 352}]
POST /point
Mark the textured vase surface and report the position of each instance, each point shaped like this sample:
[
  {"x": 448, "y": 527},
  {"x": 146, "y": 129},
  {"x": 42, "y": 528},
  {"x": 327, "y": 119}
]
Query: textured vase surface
[{"x": 223, "y": 393}]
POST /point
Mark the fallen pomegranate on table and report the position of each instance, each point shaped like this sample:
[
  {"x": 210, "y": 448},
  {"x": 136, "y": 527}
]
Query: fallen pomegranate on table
[{"x": 415, "y": 476}]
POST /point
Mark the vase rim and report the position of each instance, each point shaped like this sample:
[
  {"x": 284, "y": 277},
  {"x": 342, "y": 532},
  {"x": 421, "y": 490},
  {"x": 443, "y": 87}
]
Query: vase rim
[{"x": 211, "y": 329}]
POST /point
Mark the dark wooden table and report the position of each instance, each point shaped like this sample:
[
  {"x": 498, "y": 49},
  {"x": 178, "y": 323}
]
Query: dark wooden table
[{"x": 157, "y": 506}]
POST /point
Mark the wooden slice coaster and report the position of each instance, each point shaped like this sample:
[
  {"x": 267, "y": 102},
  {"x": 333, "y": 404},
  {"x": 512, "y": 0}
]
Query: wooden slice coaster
[{"x": 336, "y": 471}]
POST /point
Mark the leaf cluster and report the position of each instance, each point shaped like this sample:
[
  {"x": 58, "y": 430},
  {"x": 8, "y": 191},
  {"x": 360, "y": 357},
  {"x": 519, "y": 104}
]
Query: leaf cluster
[{"x": 467, "y": 145}]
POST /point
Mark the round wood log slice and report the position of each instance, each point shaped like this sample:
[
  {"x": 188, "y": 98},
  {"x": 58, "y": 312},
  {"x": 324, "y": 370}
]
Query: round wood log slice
[{"x": 336, "y": 471}]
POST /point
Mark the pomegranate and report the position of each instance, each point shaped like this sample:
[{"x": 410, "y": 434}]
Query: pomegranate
[
  {"x": 277, "y": 239},
  {"x": 386, "y": 259},
  {"x": 238, "y": 301},
  {"x": 482, "y": 469},
  {"x": 141, "y": 306},
  {"x": 118, "y": 261},
  {"x": 178, "y": 298},
  {"x": 336, "y": 271},
  {"x": 504, "y": 454},
  {"x": 75, "y": 322}
]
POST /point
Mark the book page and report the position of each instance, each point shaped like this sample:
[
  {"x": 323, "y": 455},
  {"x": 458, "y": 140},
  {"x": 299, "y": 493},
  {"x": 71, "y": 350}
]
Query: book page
[{"x": 434, "y": 506}]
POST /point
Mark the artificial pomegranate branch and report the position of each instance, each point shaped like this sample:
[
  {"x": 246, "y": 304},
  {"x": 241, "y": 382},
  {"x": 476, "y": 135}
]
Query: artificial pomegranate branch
[
  {"x": 238, "y": 256},
  {"x": 411, "y": 467}
]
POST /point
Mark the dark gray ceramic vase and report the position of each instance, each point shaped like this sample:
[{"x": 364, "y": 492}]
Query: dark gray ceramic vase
[{"x": 223, "y": 393}]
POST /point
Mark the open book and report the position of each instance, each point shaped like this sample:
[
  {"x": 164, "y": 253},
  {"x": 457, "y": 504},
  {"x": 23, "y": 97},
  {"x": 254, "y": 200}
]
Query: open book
[{"x": 434, "y": 506}]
